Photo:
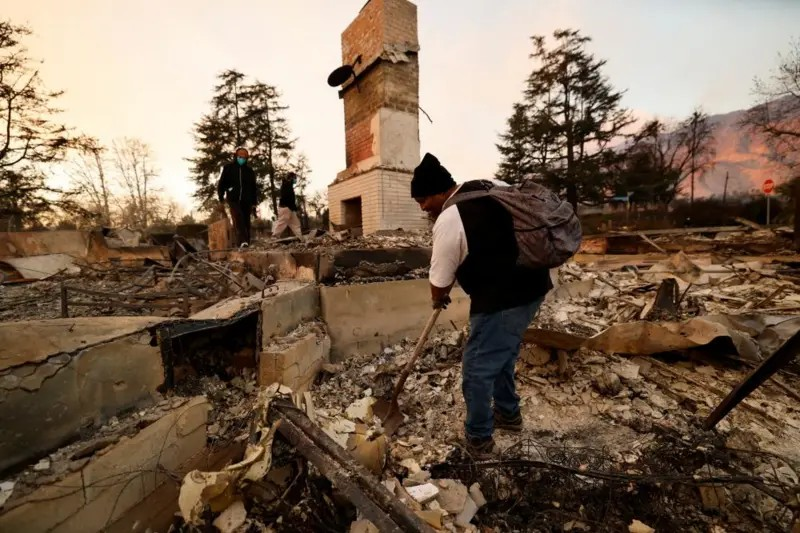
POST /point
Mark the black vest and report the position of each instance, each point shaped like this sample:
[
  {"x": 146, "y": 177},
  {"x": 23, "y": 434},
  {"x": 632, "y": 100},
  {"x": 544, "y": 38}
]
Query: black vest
[{"x": 489, "y": 273}]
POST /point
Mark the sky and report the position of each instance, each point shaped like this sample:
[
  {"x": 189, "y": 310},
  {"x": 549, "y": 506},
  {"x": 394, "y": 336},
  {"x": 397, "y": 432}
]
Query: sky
[{"x": 146, "y": 68}]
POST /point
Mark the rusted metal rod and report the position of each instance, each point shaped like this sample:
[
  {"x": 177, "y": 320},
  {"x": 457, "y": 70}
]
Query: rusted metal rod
[
  {"x": 769, "y": 367},
  {"x": 399, "y": 512},
  {"x": 64, "y": 303}
]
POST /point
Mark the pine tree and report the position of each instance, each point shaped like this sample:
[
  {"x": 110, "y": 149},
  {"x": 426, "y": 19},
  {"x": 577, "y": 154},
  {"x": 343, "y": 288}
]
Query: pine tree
[
  {"x": 572, "y": 115},
  {"x": 270, "y": 136},
  {"x": 29, "y": 133},
  {"x": 515, "y": 148},
  {"x": 243, "y": 114}
]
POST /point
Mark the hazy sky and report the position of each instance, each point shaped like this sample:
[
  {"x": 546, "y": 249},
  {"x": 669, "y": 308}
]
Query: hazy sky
[{"x": 145, "y": 68}]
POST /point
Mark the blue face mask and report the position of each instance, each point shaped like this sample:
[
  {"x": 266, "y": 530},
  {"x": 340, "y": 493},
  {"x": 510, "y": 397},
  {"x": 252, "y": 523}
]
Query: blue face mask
[{"x": 241, "y": 160}]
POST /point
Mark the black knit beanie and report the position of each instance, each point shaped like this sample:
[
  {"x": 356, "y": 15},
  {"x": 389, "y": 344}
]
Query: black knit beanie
[{"x": 430, "y": 178}]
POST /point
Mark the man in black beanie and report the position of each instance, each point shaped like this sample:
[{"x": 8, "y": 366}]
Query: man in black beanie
[{"x": 474, "y": 244}]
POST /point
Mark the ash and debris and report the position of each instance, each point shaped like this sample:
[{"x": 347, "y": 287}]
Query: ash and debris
[
  {"x": 349, "y": 239},
  {"x": 634, "y": 423},
  {"x": 228, "y": 421},
  {"x": 367, "y": 272},
  {"x": 157, "y": 290},
  {"x": 640, "y": 435}
]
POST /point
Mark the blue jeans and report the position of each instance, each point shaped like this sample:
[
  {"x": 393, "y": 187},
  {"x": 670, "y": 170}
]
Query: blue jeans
[{"x": 488, "y": 367}]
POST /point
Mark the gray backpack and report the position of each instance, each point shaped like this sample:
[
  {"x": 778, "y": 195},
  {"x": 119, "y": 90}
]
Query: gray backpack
[{"x": 547, "y": 229}]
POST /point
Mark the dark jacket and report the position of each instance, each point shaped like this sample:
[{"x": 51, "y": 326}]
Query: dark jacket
[
  {"x": 237, "y": 183},
  {"x": 287, "y": 198},
  {"x": 489, "y": 273}
]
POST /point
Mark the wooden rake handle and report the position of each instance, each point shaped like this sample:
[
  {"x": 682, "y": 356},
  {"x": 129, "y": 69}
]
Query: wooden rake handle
[{"x": 417, "y": 352}]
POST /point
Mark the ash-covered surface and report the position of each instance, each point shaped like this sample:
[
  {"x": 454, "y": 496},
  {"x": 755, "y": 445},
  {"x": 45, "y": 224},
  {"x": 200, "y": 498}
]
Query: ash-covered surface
[
  {"x": 608, "y": 440},
  {"x": 204, "y": 283},
  {"x": 348, "y": 239},
  {"x": 228, "y": 421}
]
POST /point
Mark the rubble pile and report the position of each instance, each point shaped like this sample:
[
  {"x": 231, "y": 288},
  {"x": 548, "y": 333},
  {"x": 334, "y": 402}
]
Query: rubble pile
[
  {"x": 590, "y": 299},
  {"x": 155, "y": 290},
  {"x": 753, "y": 239},
  {"x": 228, "y": 422},
  {"x": 349, "y": 239},
  {"x": 367, "y": 272},
  {"x": 618, "y": 416}
]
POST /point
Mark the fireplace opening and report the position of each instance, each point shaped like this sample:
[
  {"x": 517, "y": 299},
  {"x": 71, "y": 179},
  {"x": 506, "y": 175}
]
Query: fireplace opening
[{"x": 351, "y": 210}]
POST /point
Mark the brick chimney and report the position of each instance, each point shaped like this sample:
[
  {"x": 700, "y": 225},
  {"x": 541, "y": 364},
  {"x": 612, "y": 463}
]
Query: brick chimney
[{"x": 381, "y": 116}]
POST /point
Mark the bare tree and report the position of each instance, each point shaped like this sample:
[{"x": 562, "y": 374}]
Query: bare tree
[
  {"x": 136, "y": 173},
  {"x": 696, "y": 137},
  {"x": 318, "y": 203},
  {"x": 776, "y": 117},
  {"x": 90, "y": 179}
]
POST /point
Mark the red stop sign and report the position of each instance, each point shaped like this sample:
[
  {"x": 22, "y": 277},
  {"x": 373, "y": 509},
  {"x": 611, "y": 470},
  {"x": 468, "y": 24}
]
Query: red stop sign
[{"x": 768, "y": 186}]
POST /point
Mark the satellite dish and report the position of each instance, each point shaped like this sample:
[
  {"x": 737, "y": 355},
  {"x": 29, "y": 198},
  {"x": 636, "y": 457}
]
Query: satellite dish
[{"x": 342, "y": 74}]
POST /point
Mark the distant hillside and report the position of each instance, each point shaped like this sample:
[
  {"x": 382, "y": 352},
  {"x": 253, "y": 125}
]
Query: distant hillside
[{"x": 739, "y": 153}]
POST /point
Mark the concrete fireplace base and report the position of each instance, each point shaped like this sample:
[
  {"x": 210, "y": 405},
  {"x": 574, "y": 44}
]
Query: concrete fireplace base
[{"x": 378, "y": 199}]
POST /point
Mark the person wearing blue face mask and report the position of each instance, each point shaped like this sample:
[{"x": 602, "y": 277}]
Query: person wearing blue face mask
[{"x": 238, "y": 187}]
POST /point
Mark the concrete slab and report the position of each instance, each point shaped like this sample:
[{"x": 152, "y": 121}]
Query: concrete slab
[
  {"x": 70, "y": 379},
  {"x": 36, "y": 340},
  {"x": 28, "y": 243},
  {"x": 42, "y": 266},
  {"x": 229, "y": 307},
  {"x": 365, "y": 318},
  {"x": 116, "y": 481}
]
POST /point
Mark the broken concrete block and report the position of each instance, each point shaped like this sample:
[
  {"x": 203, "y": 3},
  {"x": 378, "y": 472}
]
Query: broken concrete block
[
  {"x": 360, "y": 409},
  {"x": 423, "y": 493},
  {"x": 627, "y": 371},
  {"x": 476, "y": 495},
  {"x": 467, "y": 513},
  {"x": 412, "y": 466},
  {"x": 639, "y": 527},
  {"x": 231, "y": 518},
  {"x": 6, "y": 490},
  {"x": 452, "y": 495},
  {"x": 432, "y": 517},
  {"x": 608, "y": 383}
]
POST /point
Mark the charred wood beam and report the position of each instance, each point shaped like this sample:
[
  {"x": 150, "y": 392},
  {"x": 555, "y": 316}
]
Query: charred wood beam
[
  {"x": 325, "y": 453},
  {"x": 338, "y": 476},
  {"x": 769, "y": 367}
]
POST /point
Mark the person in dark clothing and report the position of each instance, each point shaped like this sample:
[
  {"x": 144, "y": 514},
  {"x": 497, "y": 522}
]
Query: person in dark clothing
[
  {"x": 474, "y": 244},
  {"x": 287, "y": 208},
  {"x": 237, "y": 185}
]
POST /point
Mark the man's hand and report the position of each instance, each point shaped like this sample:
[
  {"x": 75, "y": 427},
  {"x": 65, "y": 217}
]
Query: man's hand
[
  {"x": 440, "y": 296},
  {"x": 442, "y": 302}
]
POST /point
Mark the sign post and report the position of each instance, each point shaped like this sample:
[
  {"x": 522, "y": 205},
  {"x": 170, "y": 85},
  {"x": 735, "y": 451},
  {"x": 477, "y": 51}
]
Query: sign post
[{"x": 768, "y": 187}]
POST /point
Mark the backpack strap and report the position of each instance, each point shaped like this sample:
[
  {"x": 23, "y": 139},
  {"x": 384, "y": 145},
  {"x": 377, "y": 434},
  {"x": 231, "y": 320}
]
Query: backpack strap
[{"x": 471, "y": 195}]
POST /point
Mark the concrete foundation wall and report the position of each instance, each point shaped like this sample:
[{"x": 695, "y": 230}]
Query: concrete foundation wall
[
  {"x": 97, "y": 495},
  {"x": 47, "y": 403},
  {"x": 294, "y": 362},
  {"x": 284, "y": 312},
  {"x": 301, "y": 266},
  {"x": 365, "y": 318}
]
